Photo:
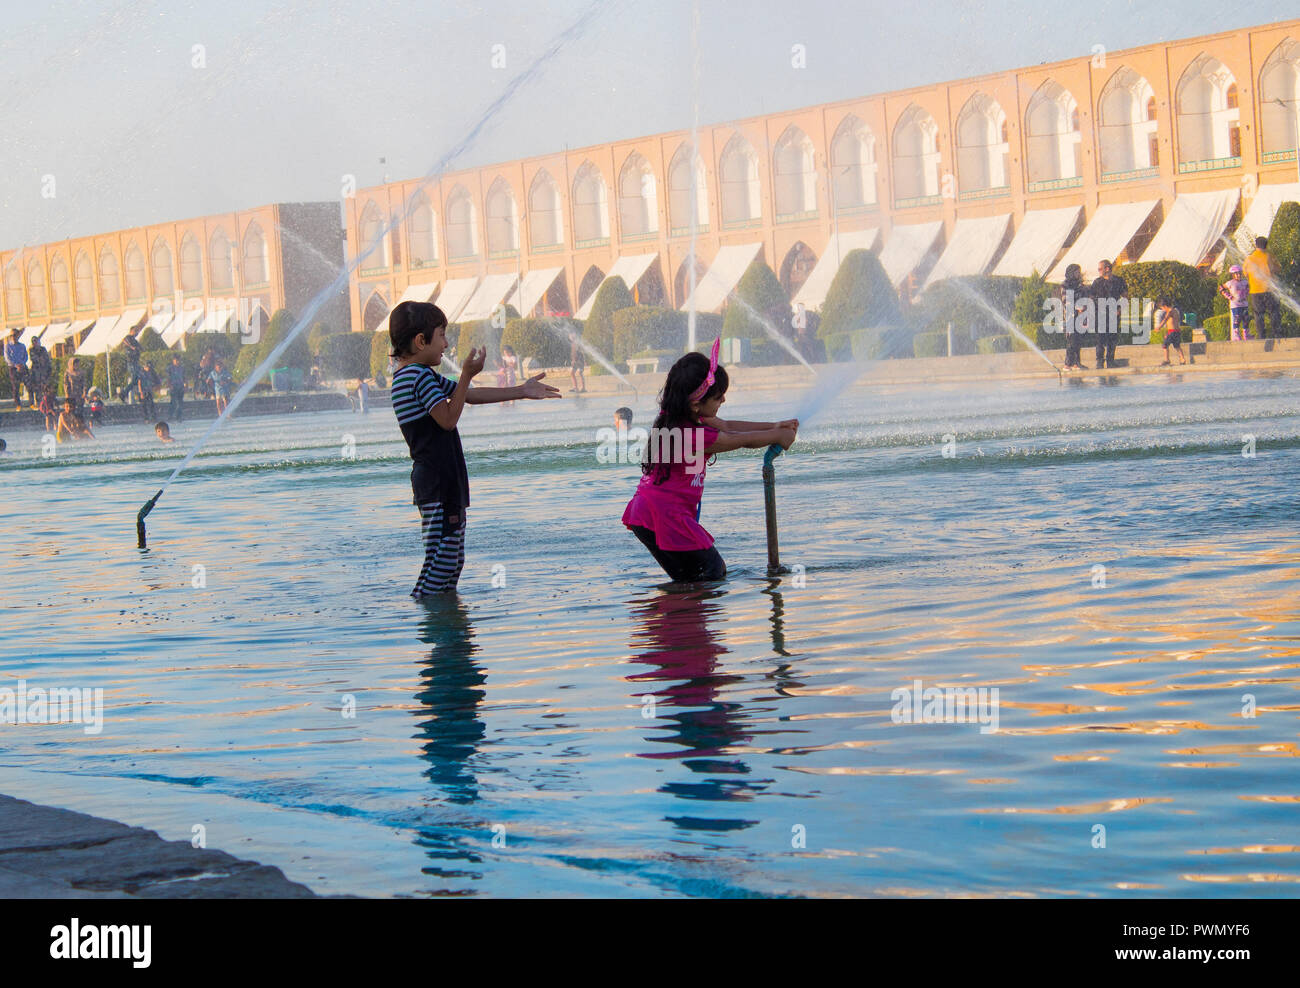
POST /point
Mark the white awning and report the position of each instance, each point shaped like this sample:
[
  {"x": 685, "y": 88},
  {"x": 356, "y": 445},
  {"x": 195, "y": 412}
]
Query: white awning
[
  {"x": 1105, "y": 237},
  {"x": 490, "y": 294},
  {"x": 454, "y": 295},
  {"x": 724, "y": 273},
  {"x": 812, "y": 293},
  {"x": 422, "y": 292},
  {"x": 109, "y": 333},
  {"x": 973, "y": 248},
  {"x": 1258, "y": 220},
  {"x": 1193, "y": 227},
  {"x": 186, "y": 322},
  {"x": 631, "y": 268},
  {"x": 65, "y": 331},
  {"x": 906, "y": 248},
  {"x": 30, "y": 333},
  {"x": 532, "y": 288},
  {"x": 1039, "y": 238}
]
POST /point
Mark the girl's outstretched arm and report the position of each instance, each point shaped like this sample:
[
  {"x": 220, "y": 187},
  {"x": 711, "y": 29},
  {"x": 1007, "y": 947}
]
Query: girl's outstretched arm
[
  {"x": 735, "y": 425},
  {"x": 532, "y": 388},
  {"x": 757, "y": 439}
]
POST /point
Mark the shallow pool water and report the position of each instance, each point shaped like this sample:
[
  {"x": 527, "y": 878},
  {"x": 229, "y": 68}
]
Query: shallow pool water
[{"x": 569, "y": 726}]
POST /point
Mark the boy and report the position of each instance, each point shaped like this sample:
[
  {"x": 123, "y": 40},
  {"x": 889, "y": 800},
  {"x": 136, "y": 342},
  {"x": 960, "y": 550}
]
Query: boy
[
  {"x": 163, "y": 433},
  {"x": 622, "y": 419},
  {"x": 221, "y": 382},
  {"x": 70, "y": 424},
  {"x": 577, "y": 365},
  {"x": 1237, "y": 291},
  {"x": 1170, "y": 320},
  {"x": 146, "y": 381}
]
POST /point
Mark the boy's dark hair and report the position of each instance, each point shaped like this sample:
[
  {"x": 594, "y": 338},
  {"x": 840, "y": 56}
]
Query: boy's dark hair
[
  {"x": 161, "y": 425},
  {"x": 623, "y": 413},
  {"x": 1164, "y": 300},
  {"x": 684, "y": 378},
  {"x": 408, "y": 321},
  {"x": 1261, "y": 243},
  {"x": 3, "y": 445}
]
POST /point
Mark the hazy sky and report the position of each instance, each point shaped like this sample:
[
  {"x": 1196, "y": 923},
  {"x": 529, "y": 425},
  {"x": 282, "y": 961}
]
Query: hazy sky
[{"x": 106, "y": 98}]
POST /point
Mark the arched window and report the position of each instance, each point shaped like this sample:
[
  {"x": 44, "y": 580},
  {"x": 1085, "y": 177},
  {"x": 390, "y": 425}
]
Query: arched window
[
  {"x": 221, "y": 262},
  {"x": 191, "y": 265},
  {"x": 794, "y": 174},
  {"x": 545, "y": 221},
  {"x": 982, "y": 148},
  {"x": 916, "y": 155},
  {"x": 462, "y": 224},
  {"x": 136, "y": 280},
  {"x": 110, "y": 285},
  {"x": 373, "y": 239},
  {"x": 164, "y": 282},
  {"x": 682, "y": 183},
  {"x": 1209, "y": 123},
  {"x": 13, "y": 291},
  {"x": 59, "y": 287},
  {"x": 502, "y": 218},
  {"x": 256, "y": 271},
  {"x": 35, "y": 287},
  {"x": 1053, "y": 143},
  {"x": 638, "y": 198},
  {"x": 83, "y": 281},
  {"x": 1126, "y": 122},
  {"x": 590, "y": 206},
  {"x": 1279, "y": 99},
  {"x": 422, "y": 228},
  {"x": 738, "y": 180},
  {"x": 372, "y": 314},
  {"x": 853, "y": 165}
]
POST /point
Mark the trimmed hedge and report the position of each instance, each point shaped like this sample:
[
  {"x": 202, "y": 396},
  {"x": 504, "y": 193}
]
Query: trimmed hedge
[
  {"x": 760, "y": 290},
  {"x": 345, "y": 355},
  {"x": 297, "y": 354},
  {"x": 936, "y": 344},
  {"x": 598, "y": 330},
  {"x": 839, "y": 346},
  {"x": 886, "y": 343},
  {"x": 543, "y": 340},
  {"x": 951, "y": 301},
  {"x": 1284, "y": 245},
  {"x": 380, "y": 347},
  {"x": 1218, "y": 328},
  {"x": 1191, "y": 289},
  {"x": 644, "y": 327},
  {"x": 995, "y": 344},
  {"x": 1028, "y": 308},
  {"x": 860, "y": 295}
]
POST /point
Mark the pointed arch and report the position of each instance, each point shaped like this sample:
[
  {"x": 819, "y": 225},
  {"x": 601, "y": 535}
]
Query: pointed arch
[
  {"x": 422, "y": 233},
  {"x": 137, "y": 280},
  {"x": 256, "y": 270},
  {"x": 796, "y": 267},
  {"x": 983, "y": 147},
  {"x": 590, "y": 282},
  {"x": 371, "y": 230},
  {"x": 738, "y": 182},
  {"x": 853, "y": 165},
  {"x": 1279, "y": 100},
  {"x": 502, "y": 218},
  {"x": 221, "y": 262},
  {"x": 683, "y": 183},
  {"x": 191, "y": 264},
  {"x": 590, "y": 206},
  {"x": 60, "y": 289},
  {"x": 373, "y": 312},
  {"x": 794, "y": 174},
  {"x": 638, "y": 198},
  {"x": 110, "y": 278},
  {"x": 682, "y": 280},
  {"x": 83, "y": 281},
  {"x": 545, "y": 211},
  {"x": 14, "y": 301},
  {"x": 462, "y": 224},
  {"x": 1207, "y": 114},
  {"x": 1053, "y": 141},
  {"x": 36, "y": 297},
  {"x": 164, "y": 275},
  {"x": 916, "y": 155},
  {"x": 1126, "y": 123}
]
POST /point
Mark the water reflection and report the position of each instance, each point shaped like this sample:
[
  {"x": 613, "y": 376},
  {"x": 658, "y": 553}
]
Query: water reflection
[{"x": 672, "y": 636}]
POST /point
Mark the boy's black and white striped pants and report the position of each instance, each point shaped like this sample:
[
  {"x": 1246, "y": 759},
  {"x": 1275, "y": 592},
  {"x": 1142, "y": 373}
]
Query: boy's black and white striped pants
[{"x": 444, "y": 550}]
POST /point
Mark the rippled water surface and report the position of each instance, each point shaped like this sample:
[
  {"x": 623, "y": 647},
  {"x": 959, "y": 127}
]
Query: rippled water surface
[{"x": 583, "y": 730}]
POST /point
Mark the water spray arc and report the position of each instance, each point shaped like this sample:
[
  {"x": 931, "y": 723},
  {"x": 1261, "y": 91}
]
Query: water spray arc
[{"x": 564, "y": 39}]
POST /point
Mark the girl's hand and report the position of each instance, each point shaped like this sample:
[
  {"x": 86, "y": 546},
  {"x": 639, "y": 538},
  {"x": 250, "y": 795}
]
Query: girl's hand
[
  {"x": 534, "y": 388},
  {"x": 789, "y": 424},
  {"x": 786, "y": 437},
  {"x": 473, "y": 363}
]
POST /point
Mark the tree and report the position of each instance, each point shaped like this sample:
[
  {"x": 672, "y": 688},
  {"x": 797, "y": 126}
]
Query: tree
[
  {"x": 861, "y": 296},
  {"x": 1284, "y": 245},
  {"x": 598, "y": 331},
  {"x": 760, "y": 302}
]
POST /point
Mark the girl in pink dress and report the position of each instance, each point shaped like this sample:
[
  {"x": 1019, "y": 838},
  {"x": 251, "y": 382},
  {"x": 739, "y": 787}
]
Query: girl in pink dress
[{"x": 665, "y": 510}]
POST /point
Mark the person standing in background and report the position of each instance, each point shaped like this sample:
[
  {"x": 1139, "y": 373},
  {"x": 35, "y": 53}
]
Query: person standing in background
[
  {"x": 1262, "y": 272},
  {"x": 42, "y": 368},
  {"x": 130, "y": 348},
  {"x": 1107, "y": 289},
  {"x": 16, "y": 360},
  {"x": 1072, "y": 290}
]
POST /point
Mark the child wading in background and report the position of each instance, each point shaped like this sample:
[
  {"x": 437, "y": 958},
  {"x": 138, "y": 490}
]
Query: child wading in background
[
  {"x": 665, "y": 510},
  {"x": 1170, "y": 320},
  {"x": 428, "y": 406},
  {"x": 1237, "y": 291}
]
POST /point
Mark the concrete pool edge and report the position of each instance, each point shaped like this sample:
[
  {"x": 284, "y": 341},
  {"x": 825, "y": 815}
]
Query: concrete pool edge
[{"x": 52, "y": 853}]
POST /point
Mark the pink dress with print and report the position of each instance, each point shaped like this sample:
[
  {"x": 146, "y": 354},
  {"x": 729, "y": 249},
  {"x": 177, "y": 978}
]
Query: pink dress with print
[{"x": 671, "y": 510}]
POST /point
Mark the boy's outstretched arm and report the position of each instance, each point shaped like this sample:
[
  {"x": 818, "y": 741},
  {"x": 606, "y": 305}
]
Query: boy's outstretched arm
[
  {"x": 447, "y": 413},
  {"x": 532, "y": 388}
]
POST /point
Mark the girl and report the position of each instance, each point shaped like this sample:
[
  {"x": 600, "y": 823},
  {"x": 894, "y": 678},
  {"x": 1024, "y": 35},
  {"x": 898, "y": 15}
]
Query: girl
[
  {"x": 664, "y": 512},
  {"x": 1237, "y": 291},
  {"x": 428, "y": 406},
  {"x": 1169, "y": 319}
]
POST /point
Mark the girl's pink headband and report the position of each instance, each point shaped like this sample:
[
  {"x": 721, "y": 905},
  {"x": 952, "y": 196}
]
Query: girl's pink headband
[{"x": 703, "y": 389}]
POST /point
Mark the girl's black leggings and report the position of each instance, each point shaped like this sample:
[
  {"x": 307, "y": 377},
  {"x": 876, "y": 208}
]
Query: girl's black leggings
[{"x": 689, "y": 566}]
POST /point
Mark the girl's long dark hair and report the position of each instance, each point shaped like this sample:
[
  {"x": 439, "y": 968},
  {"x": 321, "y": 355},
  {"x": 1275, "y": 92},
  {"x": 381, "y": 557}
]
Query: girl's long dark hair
[{"x": 685, "y": 376}]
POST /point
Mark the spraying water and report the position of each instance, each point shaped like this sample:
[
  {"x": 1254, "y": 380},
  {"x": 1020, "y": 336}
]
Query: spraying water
[
  {"x": 1287, "y": 299},
  {"x": 572, "y": 333},
  {"x": 771, "y": 331},
  {"x": 695, "y": 172},
  {"x": 563, "y": 40},
  {"x": 1004, "y": 322}
]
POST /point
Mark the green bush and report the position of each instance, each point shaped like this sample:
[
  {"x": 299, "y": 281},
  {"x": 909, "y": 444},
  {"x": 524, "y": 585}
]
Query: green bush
[
  {"x": 1218, "y": 328},
  {"x": 760, "y": 307},
  {"x": 646, "y": 327},
  {"x": 860, "y": 295},
  {"x": 598, "y": 330},
  {"x": 839, "y": 346},
  {"x": 297, "y": 354},
  {"x": 767, "y": 352},
  {"x": 345, "y": 355},
  {"x": 316, "y": 336},
  {"x": 380, "y": 347},
  {"x": 953, "y": 300},
  {"x": 995, "y": 344},
  {"x": 249, "y": 360},
  {"x": 886, "y": 343},
  {"x": 936, "y": 344},
  {"x": 1284, "y": 245},
  {"x": 1191, "y": 289},
  {"x": 1028, "y": 308},
  {"x": 150, "y": 339},
  {"x": 545, "y": 341},
  {"x": 1042, "y": 338}
]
